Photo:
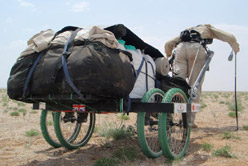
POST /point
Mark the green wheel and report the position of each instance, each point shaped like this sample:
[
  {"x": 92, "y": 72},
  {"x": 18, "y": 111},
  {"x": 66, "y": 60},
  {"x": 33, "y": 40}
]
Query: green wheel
[
  {"x": 147, "y": 126},
  {"x": 63, "y": 121},
  {"x": 174, "y": 132},
  {"x": 48, "y": 131}
]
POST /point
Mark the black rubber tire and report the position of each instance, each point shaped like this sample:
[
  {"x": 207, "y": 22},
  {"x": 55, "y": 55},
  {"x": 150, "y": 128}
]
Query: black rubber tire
[
  {"x": 171, "y": 130},
  {"x": 145, "y": 145},
  {"x": 75, "y": 143}
]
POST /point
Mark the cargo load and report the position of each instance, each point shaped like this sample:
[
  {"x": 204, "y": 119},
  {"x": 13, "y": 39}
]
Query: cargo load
[
  {"x": 79, "y": 61},
  {"x": 144, "y": 67}
]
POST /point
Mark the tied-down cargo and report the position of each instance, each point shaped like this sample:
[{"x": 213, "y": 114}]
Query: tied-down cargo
[{"x": 92, "y": 68}]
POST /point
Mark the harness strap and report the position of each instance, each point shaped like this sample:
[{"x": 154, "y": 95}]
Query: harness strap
[
  {"x": 67, "y": 51},
  {"x": 137, "y": 75},
  {"x": 27, "y": 81},
  {"x": 139, "y": 69},
  {"x": 153, "y": 71},
  {"x": 67, "y": 28},
  {"x": 69, "y": 45},
  {"x": 146, "y": 77}
]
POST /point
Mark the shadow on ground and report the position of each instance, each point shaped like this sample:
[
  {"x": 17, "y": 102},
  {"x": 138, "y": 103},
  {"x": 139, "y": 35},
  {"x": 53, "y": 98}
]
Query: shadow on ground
[{"x": 90, "y": 153}]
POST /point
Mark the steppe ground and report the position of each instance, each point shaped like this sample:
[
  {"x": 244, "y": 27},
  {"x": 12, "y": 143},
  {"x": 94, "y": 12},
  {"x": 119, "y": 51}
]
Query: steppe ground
[{"x": 216, "y": 132}]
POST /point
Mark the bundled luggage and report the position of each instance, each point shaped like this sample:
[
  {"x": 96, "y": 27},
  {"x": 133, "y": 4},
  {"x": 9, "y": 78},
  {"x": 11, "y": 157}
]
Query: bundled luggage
[
  {"x": 78, "y": 61},
  {"x": 145, "y": 71}
]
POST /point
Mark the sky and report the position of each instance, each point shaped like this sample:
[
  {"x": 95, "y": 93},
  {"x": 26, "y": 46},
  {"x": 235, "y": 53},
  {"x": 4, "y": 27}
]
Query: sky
[{"x": 155, "y": 21}]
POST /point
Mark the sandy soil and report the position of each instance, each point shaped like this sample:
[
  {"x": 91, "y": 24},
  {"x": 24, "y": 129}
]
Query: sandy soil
[{"x": 18, "y": 149}]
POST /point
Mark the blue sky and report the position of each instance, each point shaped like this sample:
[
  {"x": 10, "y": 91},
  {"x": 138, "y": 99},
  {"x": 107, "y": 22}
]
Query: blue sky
[{"x": 155, "y": 21}]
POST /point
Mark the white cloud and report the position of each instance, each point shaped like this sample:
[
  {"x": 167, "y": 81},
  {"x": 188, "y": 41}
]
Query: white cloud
[
  {"x": 23, "y": 3},
  {"x": 79, "y": 7}
]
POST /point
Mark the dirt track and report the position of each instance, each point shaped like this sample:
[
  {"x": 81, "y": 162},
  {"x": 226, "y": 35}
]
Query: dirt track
[{"x": 213, "y": 121}]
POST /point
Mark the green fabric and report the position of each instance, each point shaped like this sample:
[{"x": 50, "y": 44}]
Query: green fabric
[
  {"x": 121, "y": 42},
  {"x": 130, "y": 47}
]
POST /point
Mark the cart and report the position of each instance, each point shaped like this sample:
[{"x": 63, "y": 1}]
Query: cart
[
  {"x": 165, "y": 131},
  {"x": 163, "y": 118}
]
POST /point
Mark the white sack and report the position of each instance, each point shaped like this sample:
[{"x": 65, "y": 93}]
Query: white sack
[{"x": 139, "y": 89}]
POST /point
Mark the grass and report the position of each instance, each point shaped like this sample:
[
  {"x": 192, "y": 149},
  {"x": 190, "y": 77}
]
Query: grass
[
  {"x": 216, "y": 96},
  {"x": 226, "y": 95},
  {"x": 5, "y": 110},
  {"x": 97, "y": 129},
  {"x": 224, "y": 152},
  {"x": 49, "y": 123},
  {"x": 15, "y": 113},
  {"x": 13, "y": 108},
  {"x": 227, "y": 103},
  {"x": 126, "y": 154},
  {"x": 203, "y": 105},
  {"x": 124, "y": 117},
  {"x": 5, "y": 99},
  {"x": 232, "y": 114},
  {"x": 240, "y": 107},
  {"x": 116, "y": 133},
  {"x": 231, "y": 105},
  {"x": 229, "y": 135},
  {"x": 21, "y": 104},
  {"x": 222, "y": 102},
  {"x": 32, "y": 133},
  {"x": 33, "y": 112},
  {"x": 119, "y": 157},
  {"x": 106, "y": 162},
  {"x": 207, "y": 147},
  {"x": 5, "y": 104},
  {"x": 23, "y": 111},
  {"x": 245, "y": 127}
]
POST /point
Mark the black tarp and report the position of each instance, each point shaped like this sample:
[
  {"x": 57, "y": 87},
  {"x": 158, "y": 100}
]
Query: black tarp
[
  {"x": 112, "y": 77},
  {"x": 122, "y": 32}
]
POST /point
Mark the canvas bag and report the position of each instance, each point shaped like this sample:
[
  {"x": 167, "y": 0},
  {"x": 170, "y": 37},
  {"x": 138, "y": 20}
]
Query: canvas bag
[
  {"x": 93, "y": 67},
  {"x": 37, "y": 45}
]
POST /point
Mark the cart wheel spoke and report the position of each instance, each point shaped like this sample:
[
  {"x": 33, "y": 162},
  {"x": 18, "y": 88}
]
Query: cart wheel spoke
[{"x": 70, "y": 136}]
